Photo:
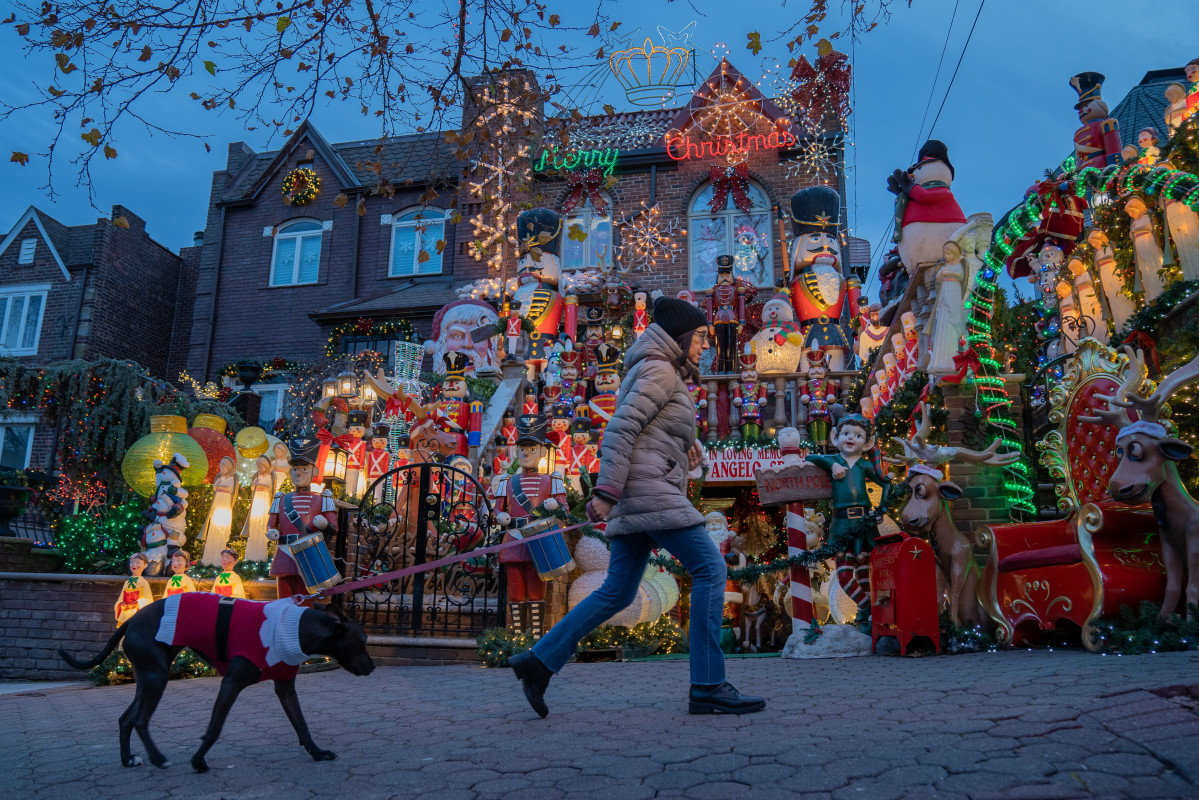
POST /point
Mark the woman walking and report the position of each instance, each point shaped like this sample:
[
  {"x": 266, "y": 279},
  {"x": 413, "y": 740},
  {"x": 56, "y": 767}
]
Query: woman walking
[{"x": 649, "y": 446}]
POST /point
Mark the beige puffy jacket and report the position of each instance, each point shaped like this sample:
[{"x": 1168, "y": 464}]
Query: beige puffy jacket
[{"x": 644, "y": 466}]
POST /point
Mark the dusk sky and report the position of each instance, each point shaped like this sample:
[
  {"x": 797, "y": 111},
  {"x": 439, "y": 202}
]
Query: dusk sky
[{"x": 1008, "y": 117}]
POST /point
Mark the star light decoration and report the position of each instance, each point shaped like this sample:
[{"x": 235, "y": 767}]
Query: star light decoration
[
  {"x": 645, "y": 239},
  {"x": 816, "y": 157}
]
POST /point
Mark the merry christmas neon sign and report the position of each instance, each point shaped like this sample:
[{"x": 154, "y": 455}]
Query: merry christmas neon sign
[
  {"x": 681, "y": 148},
  {"x": 604, "y": 159}
]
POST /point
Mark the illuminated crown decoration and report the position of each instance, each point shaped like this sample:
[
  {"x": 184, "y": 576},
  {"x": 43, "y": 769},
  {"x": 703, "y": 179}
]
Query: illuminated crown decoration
[{"x": 649, "y": 72}]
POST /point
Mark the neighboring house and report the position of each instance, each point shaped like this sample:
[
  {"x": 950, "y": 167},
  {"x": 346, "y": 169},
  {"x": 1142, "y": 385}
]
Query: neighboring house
[{"x": 90, "y": 292}]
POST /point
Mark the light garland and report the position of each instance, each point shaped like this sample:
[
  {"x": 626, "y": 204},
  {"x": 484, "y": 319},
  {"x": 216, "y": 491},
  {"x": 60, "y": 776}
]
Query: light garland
[{"x": 301, "y": 186}]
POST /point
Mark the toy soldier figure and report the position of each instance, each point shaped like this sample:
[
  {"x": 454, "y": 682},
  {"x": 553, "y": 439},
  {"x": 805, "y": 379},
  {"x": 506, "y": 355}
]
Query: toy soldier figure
[
  {"x": 818, "y": 395},
  {"x": 354, "y": 443},
  {"x": 453, "y": 413},
  {"x": 297, "y": 514},
  {"x": 750, "y": 396},
  {"x": 819, "y": 291},
  {"x": 725, "y": 308},
  {"x": 607, "y": 384},
  {"x": 1097, "y": 142},
  {"x": 593, "y": 337},
  {"x": 699, "y": 396},
  {"x": 378, "y": 460},
  {"x": 506, "y": 439},
  {"x": 584, "y": 459},
  {"x": 530, "y": 404},
  {"x": 539, "y": 231},
  {"x": 517, "y": 498}
]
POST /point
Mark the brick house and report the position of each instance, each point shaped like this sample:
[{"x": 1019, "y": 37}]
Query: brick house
[{"x": 90, "y": 291}]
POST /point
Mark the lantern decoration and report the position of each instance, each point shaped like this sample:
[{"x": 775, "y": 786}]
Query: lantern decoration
[
  {"x": 336, "y": 461},
  {"x": 251, "y": 442},
  {"x": 328, "y": 388},
  {"x": 167, "y": 436},
  {"x": 347, "y": 385},
  {"x": 247, "y": 466},
  {"x": 368, "y": 394},
  {"x": 209, "y": 431}
]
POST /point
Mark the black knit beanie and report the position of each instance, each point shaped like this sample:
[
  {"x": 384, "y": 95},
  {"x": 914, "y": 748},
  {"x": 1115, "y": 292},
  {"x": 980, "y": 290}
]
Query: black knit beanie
[{"x": 677, "y": 317}]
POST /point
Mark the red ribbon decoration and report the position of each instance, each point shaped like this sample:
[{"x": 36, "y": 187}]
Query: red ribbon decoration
[
  {"x": 730, "y": 179},
  {"x": 965, "y": 362},
  {"x": 1143, "y": 341},
  {"x": 345, "y": 441},
  {"x": 585, "y": 186}
]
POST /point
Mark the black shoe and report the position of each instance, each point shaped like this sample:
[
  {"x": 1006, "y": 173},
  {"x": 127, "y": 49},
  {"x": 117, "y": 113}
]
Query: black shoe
[
  {"x": 534, "y": 678},
  {"x": 722, "y": 699}
]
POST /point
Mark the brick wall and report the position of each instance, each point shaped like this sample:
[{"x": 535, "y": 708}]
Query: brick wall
[
  {"x": 58, "y": 316},
  {"x": 42, "y": 613}
]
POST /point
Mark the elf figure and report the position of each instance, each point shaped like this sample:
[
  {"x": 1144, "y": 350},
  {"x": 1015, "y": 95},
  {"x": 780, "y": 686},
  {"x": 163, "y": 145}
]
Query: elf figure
[
  {"x": 136, "y": 593},
  {"x": 725, "y": 307},
  {"x": 699, "y": 396},
  {"x": 820, "y": 292},
  {"x": 538, "y": 271},
  {"x": 228, "y": 583},
  {"x": 853, "y": 525},
  {"x": 818, "y": 395},
  {"x": 1097, "y": 142},
  {"x": 926, "y": 212},
  {"x": 607, "y": 384},
  {"x": 297, "y": 514},
  {"x": 517, "y": 498},
  {"x": 593, "y": 337},
  {"x": 355, "y": 446},
  {"x": 378, "y": 460},
  {"x": 453, "y": 413},
  {"x": 640, "y": 314},
  {"x": 750, "y": 397},
  {"x": 179, "y": 581}
]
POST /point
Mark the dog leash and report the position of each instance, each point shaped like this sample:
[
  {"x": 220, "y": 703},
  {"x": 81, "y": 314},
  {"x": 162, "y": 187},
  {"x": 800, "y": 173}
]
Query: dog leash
[{"x": 533, "y": 531}]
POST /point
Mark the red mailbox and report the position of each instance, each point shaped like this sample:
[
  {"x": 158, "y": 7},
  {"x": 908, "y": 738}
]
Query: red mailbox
[{"x": 903, "y": 591}]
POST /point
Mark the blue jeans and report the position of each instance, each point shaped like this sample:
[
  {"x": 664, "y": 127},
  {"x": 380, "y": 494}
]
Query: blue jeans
[{"x": 630, "y": 554}]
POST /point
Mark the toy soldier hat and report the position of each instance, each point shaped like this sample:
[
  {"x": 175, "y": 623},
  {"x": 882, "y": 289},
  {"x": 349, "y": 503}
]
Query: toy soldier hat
[
  {"x": 593, "y": 315},
  {"x": 530, "y": 429},
  {"x": 749, "y": 358},
  {"x": 540, "y": 228},
  {"x": 304, "y": 451},
  {"x": 908, "y": 320},
  {"x": 356, "y": 417},
  {"x": 581, "y": 425},
  {"x": 403, "y": 442},
  {"x": 816, "y": 209},
  {"x": 455, "y": 364},
  {"x": 1088, "y": 86},
  {"x": 569, "y": 357},
  {"x": 816, "y": 358},
  {"x": 381, "y": 431},
  {"x": 933, "y": 150},
  {"x": 560, "y": 411},
  {"x": 607, "y": 356},
  {"x": 724, "y": 263}
]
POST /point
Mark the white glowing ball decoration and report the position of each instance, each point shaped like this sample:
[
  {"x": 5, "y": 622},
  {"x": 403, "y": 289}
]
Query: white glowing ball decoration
[{"x": 657, "y": 594}]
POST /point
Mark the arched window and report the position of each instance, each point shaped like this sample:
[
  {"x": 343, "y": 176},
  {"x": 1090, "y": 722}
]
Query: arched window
[
  {"x": 297, "y": 257},
  {"x": 745, "y": 235},
  {"x": 415, "y": 235},
  {"x": 597, "y": 245}
]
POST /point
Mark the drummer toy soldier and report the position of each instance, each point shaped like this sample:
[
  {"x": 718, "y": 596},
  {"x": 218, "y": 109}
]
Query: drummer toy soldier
[
  {"x": 1097, "y": 142},
  {"x": 297, "y": 514},
  {"x": 517, "y": 498},
  {"x": 725, "y": 308},
  {"x": 607, "y": 384},
  {"x": 378, "y": 460}
]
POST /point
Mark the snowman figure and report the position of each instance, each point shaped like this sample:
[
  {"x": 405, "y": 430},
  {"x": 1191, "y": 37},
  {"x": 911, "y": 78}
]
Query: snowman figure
[
  {"x": 776, "y": 354},
  {"x": 749, "y": 257},
  {"x": 926, "y": 213}
]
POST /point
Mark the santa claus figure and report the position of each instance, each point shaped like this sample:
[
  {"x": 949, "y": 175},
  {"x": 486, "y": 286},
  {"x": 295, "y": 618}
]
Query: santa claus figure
[
  {"x": 607, "y": 384},
  {"x": 820, "y": 292},
  {"x": 454, "y": 330},
  {"x": 538, "y": 272},
  {"x": 1097, "y": 142},
  {"x": 926, "y": 213},
  {"x": 750, "y": 397}
]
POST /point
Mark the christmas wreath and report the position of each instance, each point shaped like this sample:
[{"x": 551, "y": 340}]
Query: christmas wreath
[{"x": 301, "y": 186}]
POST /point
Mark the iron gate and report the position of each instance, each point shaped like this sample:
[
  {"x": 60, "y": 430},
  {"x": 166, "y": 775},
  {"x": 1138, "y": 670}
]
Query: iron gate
[{"x": 411, "y": 515}]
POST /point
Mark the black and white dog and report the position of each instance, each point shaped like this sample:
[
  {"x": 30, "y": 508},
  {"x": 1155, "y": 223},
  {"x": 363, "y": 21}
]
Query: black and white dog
[{"x": 246, "y": 641}]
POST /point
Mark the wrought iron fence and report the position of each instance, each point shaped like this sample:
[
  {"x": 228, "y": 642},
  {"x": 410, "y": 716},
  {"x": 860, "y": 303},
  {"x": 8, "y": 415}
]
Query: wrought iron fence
[
  {"x": 412, "y": 515},
  {"x": 33, "y": 524}
]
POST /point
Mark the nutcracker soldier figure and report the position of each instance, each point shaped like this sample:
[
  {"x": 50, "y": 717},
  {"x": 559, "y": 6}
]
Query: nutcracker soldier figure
[
  {"x": 725, "y": 306},
  {"x": 819, "y": 393},
  {"x": 453, "y": 413},
  {"x": 640, "y": 314},
  {"x": 530, "y": 405},
  {"x": 297, "y": 514},
  {"x": 378, "y": 460},
  {"x": 819, "y": 291},
  {"x": 911, "y": 341},
  {"x": 539, "y": 231},
  {"x": 1097, "y": 142},
  {"x": 750, "y": 397},
  {"x": 607, "y": 384},
  {"x": 699, "y": 396},
  {"x": 584, "y": 459},
  {"x": 518, "y": 497},
  {"x": 506, "y": 440},
  {"x": 353, "y": 442},
  {"x": 593, "y": 337},
  {"x": 559, "y": 434},
  {"x": 574, "y": 388}
]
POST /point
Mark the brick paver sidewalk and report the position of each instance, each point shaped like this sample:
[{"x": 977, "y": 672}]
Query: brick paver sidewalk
[{"x": 1012, "y": 725}]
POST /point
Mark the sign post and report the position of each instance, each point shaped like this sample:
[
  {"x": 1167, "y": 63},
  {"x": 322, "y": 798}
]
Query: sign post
[{"x": 790, "y": 486}]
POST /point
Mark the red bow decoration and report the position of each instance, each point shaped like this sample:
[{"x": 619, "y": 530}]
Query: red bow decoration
[
  {"x": 364, "y": 325},
  {"x": 965, "y": 362},
  {"x": 585, "y": 186},
  {"x": 1143, "y": 341},
  {"x": 730, "y": 179},
  {"x": 345, "y": 441}
]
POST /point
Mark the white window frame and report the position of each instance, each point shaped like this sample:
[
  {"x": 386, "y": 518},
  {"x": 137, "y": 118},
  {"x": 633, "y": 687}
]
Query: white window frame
[
  {"x": 297, "y": 237},
  {"x": 730, "y": 212},
  {"x": 428, "y": 218},
  {"x": 20, "y": 421},
  {"x": 583, "y": 216},
  {"x": 27, "y": 291},
  {"x": 272, "y": 388},
  {"x": 28, "y": 251}
]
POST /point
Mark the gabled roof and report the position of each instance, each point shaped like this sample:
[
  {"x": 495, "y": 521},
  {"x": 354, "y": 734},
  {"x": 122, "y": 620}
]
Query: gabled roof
[
  {"x": 705, "y": 93},
  {"x": 308, "y": 131},
  {"x": 56, "y": 236}
]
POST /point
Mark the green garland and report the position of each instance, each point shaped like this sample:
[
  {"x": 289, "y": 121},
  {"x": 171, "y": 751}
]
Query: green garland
[
  {"x": 496, "y": 645},
  {"x": 116, "y": 669},
  {"x": 1149, "y": 318},
  {"x": 248, "y": 570},
  {"x": 480, "y": 389},
  {"x": 366, "y": 326},
  {"x": 1133, "y": 633}
]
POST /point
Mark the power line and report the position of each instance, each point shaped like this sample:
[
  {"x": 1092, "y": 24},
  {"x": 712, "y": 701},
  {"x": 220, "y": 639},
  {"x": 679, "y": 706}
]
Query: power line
[
  {"x": 932, "y": 90},
  {"x": 955, "y": 69}
]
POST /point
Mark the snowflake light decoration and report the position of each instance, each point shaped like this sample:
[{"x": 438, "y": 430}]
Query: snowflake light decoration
[
  {"x": 645, "y": 239},
  {"x": 816, "y": 157}
]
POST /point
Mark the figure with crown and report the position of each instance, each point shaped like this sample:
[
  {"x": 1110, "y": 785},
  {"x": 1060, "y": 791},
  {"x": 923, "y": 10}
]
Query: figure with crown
[
  {"x": 538, "y": 272},
  {"x": 820, "y": 293}
]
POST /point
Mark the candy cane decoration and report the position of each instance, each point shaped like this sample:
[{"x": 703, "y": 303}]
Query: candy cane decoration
[{"x": 801, "y": 579}]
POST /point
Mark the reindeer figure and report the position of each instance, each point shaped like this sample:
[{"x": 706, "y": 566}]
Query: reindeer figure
[
  {"x": 927, "y": 513},
  {"x": 1148, "y": 472}
]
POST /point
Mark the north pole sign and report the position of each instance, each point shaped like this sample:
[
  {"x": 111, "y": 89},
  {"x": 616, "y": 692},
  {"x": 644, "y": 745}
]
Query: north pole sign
[{"x": 793, "y": 484}]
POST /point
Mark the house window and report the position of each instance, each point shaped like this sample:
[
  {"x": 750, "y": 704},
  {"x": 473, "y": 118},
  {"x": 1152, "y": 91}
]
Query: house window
[
  {"x": 745, "y": 235},
  {"x": 417, "y": 241},
  {"x": 274, "y": 396},
  {"x": 297, "y": 257},
  {"x": 21, "y": 309},
  {"x": 352, "y": 345},
  {"x": 597, "y": 245},
  {"x": 16, "y": 443},
  {"x": 28, "y": 248}
]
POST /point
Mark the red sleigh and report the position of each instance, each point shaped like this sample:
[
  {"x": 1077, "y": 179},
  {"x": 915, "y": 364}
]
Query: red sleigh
[{"x": 1047, "y": 581}]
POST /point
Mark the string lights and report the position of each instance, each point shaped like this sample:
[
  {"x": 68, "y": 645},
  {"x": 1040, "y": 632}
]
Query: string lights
[{"x": 645, "y": 239}]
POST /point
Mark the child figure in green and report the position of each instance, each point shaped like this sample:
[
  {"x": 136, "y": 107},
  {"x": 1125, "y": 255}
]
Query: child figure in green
[{"x": 850, "y": 468}]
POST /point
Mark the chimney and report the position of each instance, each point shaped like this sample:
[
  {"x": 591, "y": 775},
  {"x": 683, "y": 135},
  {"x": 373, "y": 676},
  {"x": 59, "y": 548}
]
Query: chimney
[
  {"x": 198, "y": 238},
  {"x": 239, "y": 154}
]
